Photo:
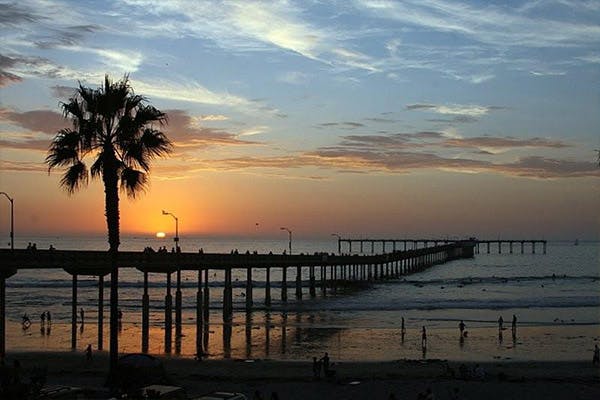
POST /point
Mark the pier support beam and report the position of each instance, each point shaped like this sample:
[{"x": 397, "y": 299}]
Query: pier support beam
[
  {"x": 522, "y": 247},
  {"x": 168, "y": 316},
  {"x": 268, "y": 287},
  {"x": 544, "y": 244},
  {"x": 199, "y": 317},
  {"x": 284, "y": 284},
  {"x": 312, "y": 290},
  {"x": 100, "y": 312},
  {"x": 248, "y": 289},
  {"x": 145, "y": 315},
  {"x": 74, "y": 313},
  {"x": 227, "y": 298},
  {"x": 299, "y": 282},
  {"x": 533, "y": 247},
  {"x": 178, "y": 304},
  {"x": 206, "y": 300}
]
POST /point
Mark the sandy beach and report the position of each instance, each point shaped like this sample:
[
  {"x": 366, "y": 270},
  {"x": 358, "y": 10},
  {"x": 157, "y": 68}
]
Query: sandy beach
[{"x": 354, "y": 380}]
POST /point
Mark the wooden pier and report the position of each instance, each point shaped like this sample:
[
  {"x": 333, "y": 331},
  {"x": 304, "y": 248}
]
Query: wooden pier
[
  {"x": 368, "y": 245},
  {"x": 325, "y": 271}
]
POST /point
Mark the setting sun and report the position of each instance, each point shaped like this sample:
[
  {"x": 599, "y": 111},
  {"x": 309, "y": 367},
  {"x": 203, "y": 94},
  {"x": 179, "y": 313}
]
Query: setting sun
[{"x": 160, "y": 235}]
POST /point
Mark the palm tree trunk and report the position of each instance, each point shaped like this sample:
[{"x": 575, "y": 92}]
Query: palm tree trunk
[{"x": 111, "y": 193}]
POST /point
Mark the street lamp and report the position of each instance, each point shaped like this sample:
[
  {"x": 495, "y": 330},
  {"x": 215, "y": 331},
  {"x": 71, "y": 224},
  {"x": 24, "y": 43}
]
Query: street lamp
[
  {"x": 290, "y": 237},
  {"x": 339, "y": 238},
  {"x": 12, "y": 220},
  {"x": 176, "y": 238}
]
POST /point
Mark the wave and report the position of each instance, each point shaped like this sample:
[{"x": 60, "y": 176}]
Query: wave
[
  {"x": 83, "y": 283},
  {"x": 497, "y": 280}
]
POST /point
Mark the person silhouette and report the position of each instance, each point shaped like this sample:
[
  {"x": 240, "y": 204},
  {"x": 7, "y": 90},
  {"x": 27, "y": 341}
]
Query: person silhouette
[
  {"x": 500, "y": 323},
  {"x": 596, "y": 359},
  {"x": 424, "y": 338},
  {"x": 88, "y": 353},
  {"x": 514, "y": 326},
  {"x": 402, "y": 330},
  {"x": 461, "y": 327}
]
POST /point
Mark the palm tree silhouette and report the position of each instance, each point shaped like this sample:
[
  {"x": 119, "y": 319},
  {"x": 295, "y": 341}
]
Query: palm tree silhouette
[{"x": 115, "y": 127}]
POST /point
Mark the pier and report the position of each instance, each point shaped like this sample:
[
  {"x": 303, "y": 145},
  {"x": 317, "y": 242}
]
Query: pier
[
  {"x": 367, "y": 245},
  {"x": 325, "y": 271}
]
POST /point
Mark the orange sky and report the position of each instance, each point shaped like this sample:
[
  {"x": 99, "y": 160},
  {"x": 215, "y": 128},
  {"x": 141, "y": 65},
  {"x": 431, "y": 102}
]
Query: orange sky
[{"x": 231, "y": 203}]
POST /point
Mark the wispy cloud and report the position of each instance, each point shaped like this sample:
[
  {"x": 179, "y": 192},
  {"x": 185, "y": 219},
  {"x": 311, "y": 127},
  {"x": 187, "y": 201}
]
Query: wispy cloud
[
  {"x": 489, "y": 24},
  {"x": 454, "y": 109}
]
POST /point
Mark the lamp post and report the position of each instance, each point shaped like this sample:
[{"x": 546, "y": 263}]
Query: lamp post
[
  {"x": 176, "y": 238},
  {"x": 290, "y": 237},
  {"x": 12, "y": 220},
  {"x": 339, "y": 238}
]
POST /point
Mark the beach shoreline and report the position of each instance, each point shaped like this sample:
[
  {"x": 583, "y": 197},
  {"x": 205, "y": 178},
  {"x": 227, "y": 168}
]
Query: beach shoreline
[{"x": 294, "y": 379}]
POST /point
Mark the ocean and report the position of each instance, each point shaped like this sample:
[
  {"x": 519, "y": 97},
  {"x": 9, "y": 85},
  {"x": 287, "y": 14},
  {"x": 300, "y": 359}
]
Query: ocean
[{"x": 555, "y": 297}]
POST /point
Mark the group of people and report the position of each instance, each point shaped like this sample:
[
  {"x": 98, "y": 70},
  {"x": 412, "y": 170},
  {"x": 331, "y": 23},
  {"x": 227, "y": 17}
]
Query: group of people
[
  {"x": 463, "y": 333},
  {"x": 324, "y": 365}
]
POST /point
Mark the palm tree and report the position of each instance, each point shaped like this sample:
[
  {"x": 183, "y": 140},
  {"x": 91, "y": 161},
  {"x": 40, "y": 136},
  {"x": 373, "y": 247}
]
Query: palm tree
[{"x": 117, "y": 128}]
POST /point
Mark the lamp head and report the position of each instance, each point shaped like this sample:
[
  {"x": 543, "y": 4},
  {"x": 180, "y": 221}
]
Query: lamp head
[{"x": 164, "y": 212}]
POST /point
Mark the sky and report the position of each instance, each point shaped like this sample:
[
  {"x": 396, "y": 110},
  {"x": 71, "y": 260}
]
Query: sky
[{"x": 358, "y": 117}]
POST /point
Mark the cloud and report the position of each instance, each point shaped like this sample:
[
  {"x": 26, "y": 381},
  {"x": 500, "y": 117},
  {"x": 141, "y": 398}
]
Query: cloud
[
  {"x": 22, "y": 166},
  {"x": 457, "y": 119},
  {"x": 13, "y": 14},
  {"x": 62, "y": 92},
  {"x": 65, "y": 36},
  {"x": 6, "y": 78},
  {"x": 503, "y": 142},
  {"x": 187, "y": 135},
  {"x": 294, "y": 78},
  {"x": 182, "y": 129},
  {"x": 454, "y": 109},
  {"x": 45, "y": 121},
  {"x": 342, "y": 124},
  {"x": 212, "y": 117},
  {"x": 485, "y": 24}
]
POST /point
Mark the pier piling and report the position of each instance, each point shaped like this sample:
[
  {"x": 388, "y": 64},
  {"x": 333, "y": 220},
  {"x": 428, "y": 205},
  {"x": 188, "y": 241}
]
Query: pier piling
[
  {"x": 145, "y": 315},
  {"x": 168, "y": 316},
  {"x": 100, "y": 312},
  {"x": 74, "y": 312}
]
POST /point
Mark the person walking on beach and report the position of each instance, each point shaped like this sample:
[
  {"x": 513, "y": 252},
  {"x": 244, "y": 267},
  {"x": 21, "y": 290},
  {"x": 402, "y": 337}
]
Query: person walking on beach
[
  {"x": 596, "y": 359},
  {"x": 500, "y": 323},
  {"x": 423, "y": 338},
  {"x": 325, "y": 361},
  {"x": 402, "y": 329},
  {"x": 48, "y": 317},
  {"x": 43, "y": 319},
  {"x": 88, "y": 353},
  {"x": 514, "y": 326},
  {"x": 461, "y": 327},
  {"x": 82, "y": 314},
  {"x": 316, "y": 368}
]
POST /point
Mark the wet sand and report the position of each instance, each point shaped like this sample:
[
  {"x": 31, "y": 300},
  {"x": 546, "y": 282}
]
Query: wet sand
[
  {"x": 354, "y": 380},
  {"x": 299, "y": 340}
]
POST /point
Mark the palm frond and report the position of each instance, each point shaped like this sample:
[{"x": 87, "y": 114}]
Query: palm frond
[
  {"x": 64, "y": 149},
  {"x": 133, "y": 181},
  {"x": 75, "y": 177}
]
